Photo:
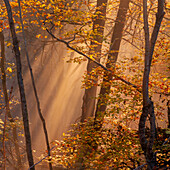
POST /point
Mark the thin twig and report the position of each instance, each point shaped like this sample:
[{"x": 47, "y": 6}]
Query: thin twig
[
  {"x": 41, "y": 159},
  {"x": 141, "y": 166},
  {"x": 132, "y": 44}
]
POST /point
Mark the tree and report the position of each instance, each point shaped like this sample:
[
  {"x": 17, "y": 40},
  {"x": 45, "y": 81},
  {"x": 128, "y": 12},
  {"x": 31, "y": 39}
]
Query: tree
[
  {"x": 35, "y": 90},
  {"x": 89, "y": 100},
  {"x": 8, "y": 113},
  {"x": 21, "y": 86},
  {"x": 107, "y": 138},
  {"x": 148, "y": 108},
  {"x": 112, "y": 58},
  {"x": 151, "y": 110}
]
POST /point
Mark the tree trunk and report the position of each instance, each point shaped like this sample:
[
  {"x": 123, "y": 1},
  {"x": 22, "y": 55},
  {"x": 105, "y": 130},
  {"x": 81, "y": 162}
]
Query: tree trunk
[
  {"x": 168, "y": 113},
  {"x": 89, "y": 100},
  {"x": 112, "y": 58},
  {"x": 21, "y": 86},
  {"x": 148, "y": 108},
  {"x": 35, "y": 90},
  {"x": 14, "y": 129}
]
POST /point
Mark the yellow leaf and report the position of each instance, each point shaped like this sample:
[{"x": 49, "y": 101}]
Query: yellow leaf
[
  {"x": 9, "y": 69},
  {"x": 43, "y": 5},
  {"x": 135, "y": 58},
  {"x": 1, "y": 121},
  {"x": 38, "y": 36},
  {"x": 91, "y": 57},
  {"x": 8, "y": 44}
]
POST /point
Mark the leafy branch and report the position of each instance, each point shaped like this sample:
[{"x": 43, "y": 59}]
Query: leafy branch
[{"x": 92, "y": 59}]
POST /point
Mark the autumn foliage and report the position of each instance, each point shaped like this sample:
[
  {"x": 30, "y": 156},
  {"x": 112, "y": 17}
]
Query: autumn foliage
[{"x": 115, "y": 145}]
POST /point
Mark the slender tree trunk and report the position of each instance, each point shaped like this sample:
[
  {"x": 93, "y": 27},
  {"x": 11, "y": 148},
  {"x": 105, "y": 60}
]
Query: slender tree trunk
[
  {"x": 89, "y": 100},
  {"x": 168, "y": 103},
  {"x": 14, "y": 129},
  {"x": 21, "y": 86},
  {"x": 112, "y": 58},
  {"x": 35, "y": 89},
  {"x": 148, "y": 108}
]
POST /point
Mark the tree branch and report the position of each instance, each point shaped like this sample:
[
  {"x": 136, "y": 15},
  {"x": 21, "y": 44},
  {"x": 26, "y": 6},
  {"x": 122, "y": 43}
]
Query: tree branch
[
  {"x": 93, "y": 60},
  {"x": 147, "y": 55},
  {"x": 159, "y": 17}
]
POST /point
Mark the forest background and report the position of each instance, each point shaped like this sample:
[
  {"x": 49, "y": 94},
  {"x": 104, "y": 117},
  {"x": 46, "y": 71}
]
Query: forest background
[{"x": 101, "y": 47}]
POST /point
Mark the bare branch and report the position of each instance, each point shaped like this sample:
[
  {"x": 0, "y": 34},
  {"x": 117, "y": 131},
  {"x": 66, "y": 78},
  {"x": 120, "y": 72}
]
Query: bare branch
[
  {"x": 131, "y": 44},
  {"x": 159, "y": 17},
  {"x": 147, "y": 54},
  {"x": 41, "y": 159}
]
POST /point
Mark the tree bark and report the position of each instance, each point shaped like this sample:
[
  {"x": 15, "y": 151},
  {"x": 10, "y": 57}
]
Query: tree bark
[
  {"x": 35, "y": 89},
  {"x": 14, "y": 129},
  {"x": 148, "y": 108},
  {"x": 112, "y": 58},
  {"x": 21, "y": 86},
  {"x": 89, "y": 100},
  {"x": 168, "y": 103}
]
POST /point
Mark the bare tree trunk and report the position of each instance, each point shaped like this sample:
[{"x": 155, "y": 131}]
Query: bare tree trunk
[
  {"x": 112, "y": 58},
  {"x": 148, "y": 108},
  {"x": 168, "y": 103},
  {"x": 21, "y": 86},
  {"x": 89, "y": 100},
  {"x": 35, "y": 89},
  {"x": 14, "y": 129}
]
